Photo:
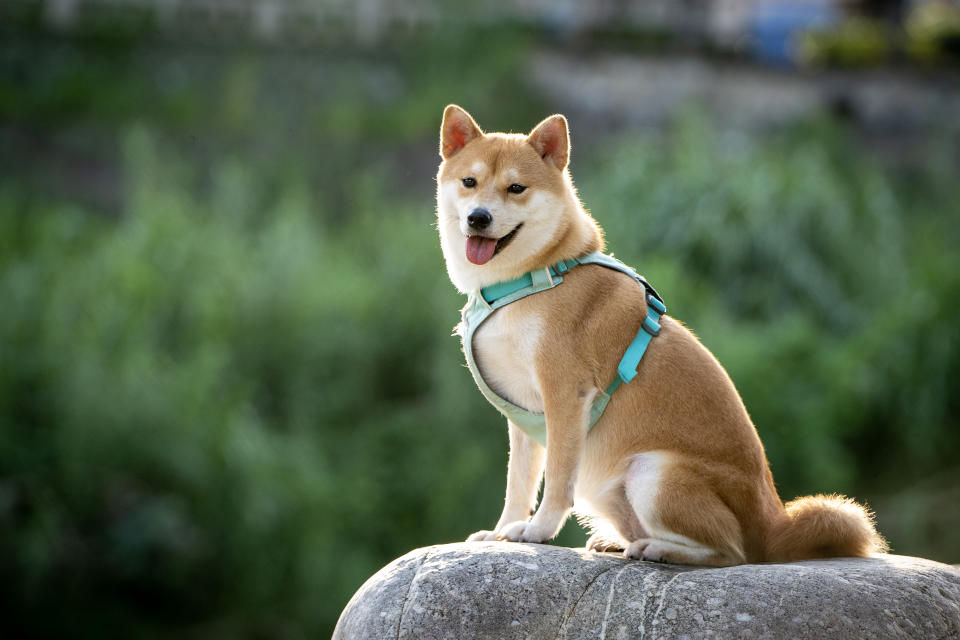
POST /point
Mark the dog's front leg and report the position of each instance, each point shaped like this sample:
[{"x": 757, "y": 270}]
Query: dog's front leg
[
  {"x": 523, "y": 479},
  {"x": 567, "y": 415}
]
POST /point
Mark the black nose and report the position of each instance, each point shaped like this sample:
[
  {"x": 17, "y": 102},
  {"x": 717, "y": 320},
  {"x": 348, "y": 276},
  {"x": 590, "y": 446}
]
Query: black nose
[{"x": 479, "y": 219}]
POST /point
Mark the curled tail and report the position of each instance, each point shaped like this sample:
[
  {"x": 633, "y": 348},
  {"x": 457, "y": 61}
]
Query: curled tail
[{"x": 824, "y": 526}]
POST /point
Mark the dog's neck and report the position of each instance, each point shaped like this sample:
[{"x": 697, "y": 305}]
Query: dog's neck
[
  {"x": 579, "y": 237},
  {"x": 582, "y": 236}
]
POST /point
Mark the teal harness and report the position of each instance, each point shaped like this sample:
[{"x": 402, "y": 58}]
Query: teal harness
[{"x": 481, "y": 304}]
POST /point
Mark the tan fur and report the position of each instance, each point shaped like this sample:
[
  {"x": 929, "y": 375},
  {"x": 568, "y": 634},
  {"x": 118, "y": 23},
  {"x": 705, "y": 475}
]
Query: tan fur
[{"x": 674, "y": 471}]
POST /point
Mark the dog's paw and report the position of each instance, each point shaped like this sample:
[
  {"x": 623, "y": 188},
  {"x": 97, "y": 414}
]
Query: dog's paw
[
  {"x": 482, "y": 536},
  {"x": 636, "y": 548},
  {"x": 513, "y": 531},
  {"x": 601, "y": 543},
  {"x": 645, "y": 549},
  {"x": 524, "y": 531}
]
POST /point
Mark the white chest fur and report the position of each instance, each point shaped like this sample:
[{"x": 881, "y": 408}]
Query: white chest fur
[{"x": 504, "y": 348}]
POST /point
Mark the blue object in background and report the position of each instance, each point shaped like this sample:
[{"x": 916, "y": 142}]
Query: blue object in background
[{"x": 774, "y": 26}]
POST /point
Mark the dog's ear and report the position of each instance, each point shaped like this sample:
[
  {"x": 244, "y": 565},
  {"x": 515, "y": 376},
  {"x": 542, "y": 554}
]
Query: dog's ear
[
  {"x": 457, "y": 130},
  {"x": 551, "y": 140}
]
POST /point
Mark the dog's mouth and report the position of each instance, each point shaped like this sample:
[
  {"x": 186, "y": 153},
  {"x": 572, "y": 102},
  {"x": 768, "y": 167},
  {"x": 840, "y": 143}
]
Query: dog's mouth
[{"x": 481, "y": 249}]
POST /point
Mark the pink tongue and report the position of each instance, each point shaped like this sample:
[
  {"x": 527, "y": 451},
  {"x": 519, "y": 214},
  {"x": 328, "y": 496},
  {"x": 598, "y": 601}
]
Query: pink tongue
[{"x": 480, "y": 249}]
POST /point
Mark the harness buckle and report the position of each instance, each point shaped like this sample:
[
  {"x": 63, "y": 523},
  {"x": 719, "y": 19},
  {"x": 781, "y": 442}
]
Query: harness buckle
[
  {"x": 542, "y": 279},
  {"x": 650, "y": 325},
  {"x": 656, "y": 304}
]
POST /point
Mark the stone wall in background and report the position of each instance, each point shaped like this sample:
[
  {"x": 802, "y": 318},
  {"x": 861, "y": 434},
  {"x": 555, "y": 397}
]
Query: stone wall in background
[{"x": 616, "y": 90}]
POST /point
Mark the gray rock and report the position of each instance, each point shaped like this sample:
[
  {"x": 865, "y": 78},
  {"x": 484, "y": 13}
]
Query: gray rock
[{"x": 510, "y": 590}]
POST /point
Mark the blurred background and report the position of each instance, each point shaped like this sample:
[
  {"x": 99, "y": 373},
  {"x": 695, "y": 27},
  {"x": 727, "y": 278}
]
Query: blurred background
[{"x": 228, "y": 389}]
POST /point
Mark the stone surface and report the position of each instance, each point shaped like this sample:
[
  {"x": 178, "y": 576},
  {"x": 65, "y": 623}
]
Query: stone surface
[{"x": 509, "y": 590}]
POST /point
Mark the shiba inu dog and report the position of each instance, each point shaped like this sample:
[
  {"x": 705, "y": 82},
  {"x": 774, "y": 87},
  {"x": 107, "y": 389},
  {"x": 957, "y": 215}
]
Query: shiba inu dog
[{"x": 672, "y": 469}]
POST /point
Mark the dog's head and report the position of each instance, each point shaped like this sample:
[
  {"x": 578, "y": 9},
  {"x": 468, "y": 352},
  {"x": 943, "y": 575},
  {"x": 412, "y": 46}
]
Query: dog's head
[{"x": 504, "y": 201}]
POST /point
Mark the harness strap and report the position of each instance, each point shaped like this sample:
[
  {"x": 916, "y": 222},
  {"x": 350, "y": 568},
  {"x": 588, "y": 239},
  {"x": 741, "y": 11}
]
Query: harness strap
[
  {"x": 482, "y": 303},
  {"x": 649, "y": 329},
  {"x": 503, "y": 289}
]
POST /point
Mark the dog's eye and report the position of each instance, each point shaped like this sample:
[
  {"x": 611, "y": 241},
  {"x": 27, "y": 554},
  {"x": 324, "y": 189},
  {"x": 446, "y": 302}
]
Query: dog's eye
[
  {"x": 469, "y": 183},
  {"x": 516, "y": 188}
]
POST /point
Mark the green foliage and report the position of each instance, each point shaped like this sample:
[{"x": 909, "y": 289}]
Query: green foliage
[
  {"x": 930, "y": 36},
  {"x": 227, "y": 402},
  {"x": 855, "y": 42},
  {"x": 220, "y": 418},
  {"x": 208, "y": 409},
  {"x": 933, "y": 33}
]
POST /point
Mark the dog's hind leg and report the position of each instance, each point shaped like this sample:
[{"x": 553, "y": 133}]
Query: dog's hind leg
[
  {"x": 605, "y": 537},
  {"x": 685, "y": 521},
  {"x": 610, "y": 519}
]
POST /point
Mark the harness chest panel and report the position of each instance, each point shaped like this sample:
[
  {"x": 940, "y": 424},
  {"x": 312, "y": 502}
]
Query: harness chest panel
[{"x": 481, "y": 304}]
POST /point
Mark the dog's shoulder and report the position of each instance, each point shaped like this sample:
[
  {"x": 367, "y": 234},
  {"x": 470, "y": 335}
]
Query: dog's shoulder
[{"x": 597, "y": 293}]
